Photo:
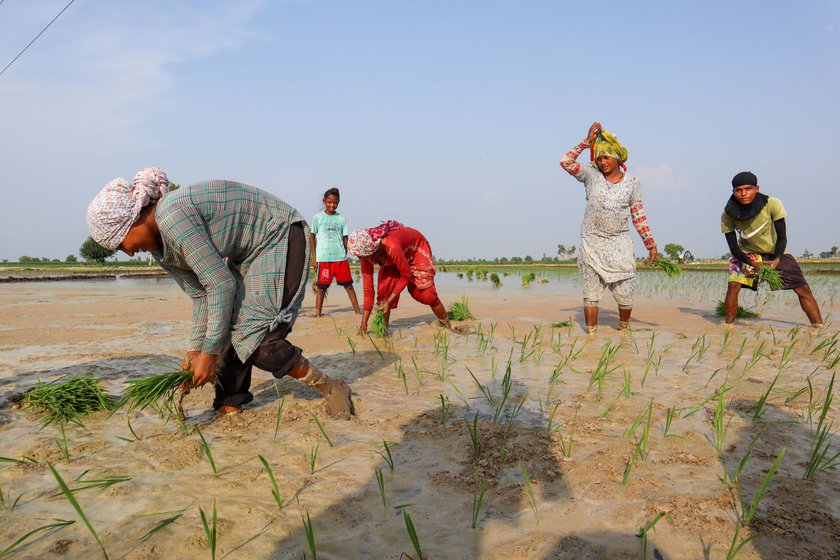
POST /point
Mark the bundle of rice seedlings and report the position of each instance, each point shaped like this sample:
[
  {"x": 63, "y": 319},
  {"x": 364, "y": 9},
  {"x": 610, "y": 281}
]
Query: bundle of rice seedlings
[
  {"x": 771, "y": 277},
  {"x": 720, "y": 311},
  {"x": 377, "y": 324},
  {"x": 460, "y": 310},
  {"x": 68, "y": 399},
  {"x": 146, "y": 392},
  {"x": 494, "y": 279},
  {"x": 527, "y": 278},
  {"x": 670, "y": 268}
]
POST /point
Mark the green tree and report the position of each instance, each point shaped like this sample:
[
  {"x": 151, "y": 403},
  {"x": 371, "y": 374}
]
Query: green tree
[
  {"x": 93, "y": 251},
  {"x": 71, "y": 259},
  {"x": 572, "y": 250},
  {"x": 673, "y": 250},
  {"x": 561, "y": 250}
]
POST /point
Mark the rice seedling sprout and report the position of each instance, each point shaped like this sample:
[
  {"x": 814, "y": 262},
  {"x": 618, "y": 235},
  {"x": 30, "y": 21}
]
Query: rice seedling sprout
[
  {"x": 445, "y": 409},
  {"x": 387, "y": 455},
  {"x": 72, "y": 499},
  {"x": 162, "y": 524},
  {"x": 643, "y": 531},
  {"x": 473, "y": 430},
  {"x": 821, "y": 458},
  {"x": 323, "y": 431},
  {"x": 566, "y": 446},
  {"x": 275, "y": 491},
  {"x": 280, "y": 403},
  {"x": 210, "y": 529},
  {"x": 313, "y": 456},
  {"x": 310, "y": 535},
  {"x": 58, "y": 524},
  {"x": 530, "y": 488},
  {"x": 412, "y": 534},
  {"x": 478, "y": 502}
]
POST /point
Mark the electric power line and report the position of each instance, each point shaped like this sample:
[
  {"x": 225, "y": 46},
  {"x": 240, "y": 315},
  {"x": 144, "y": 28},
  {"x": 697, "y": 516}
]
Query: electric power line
[{"x": 36, "y": 36}]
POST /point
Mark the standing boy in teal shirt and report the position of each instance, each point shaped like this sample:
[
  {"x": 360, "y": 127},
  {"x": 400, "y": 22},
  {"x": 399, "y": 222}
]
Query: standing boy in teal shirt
[{"x": 329, "y": 251}]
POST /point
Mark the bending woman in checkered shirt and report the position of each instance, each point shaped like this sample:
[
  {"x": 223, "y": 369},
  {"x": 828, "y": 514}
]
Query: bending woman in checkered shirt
[
  {"x": 242, "y": 255},
  {"x": 606, "y": 256}
]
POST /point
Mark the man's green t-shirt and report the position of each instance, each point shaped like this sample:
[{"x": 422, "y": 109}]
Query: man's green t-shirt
[{"x": 757, "y": 235}]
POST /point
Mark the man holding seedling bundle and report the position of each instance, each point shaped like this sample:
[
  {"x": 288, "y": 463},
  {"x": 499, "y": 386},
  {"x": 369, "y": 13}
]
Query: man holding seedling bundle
[
  {"x": 607, "y": 259},
  {"x": 242, "y": 255},
  {"x": 760, "y": 221}
]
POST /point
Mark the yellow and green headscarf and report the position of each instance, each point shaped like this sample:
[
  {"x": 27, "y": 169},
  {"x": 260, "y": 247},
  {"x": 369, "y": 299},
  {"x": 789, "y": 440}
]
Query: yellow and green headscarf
[{"x": 607, "y": 144}]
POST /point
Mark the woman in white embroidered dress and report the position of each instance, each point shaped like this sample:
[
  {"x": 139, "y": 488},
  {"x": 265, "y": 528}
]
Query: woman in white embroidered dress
[{"x": 606, "y": 256}]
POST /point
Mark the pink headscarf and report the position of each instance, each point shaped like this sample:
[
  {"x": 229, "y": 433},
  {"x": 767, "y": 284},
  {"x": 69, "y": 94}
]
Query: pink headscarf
[
  {"x": 115, "y": 209},
  {"x": 363, "y": 242}
]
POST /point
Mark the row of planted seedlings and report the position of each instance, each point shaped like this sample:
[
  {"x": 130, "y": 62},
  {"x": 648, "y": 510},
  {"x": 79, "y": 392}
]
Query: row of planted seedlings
[
  {"x": 499, "y": 407},
  {"x": 736, "y": 361},
  {"x": 504, "y": 408},
  {"x": 70, "y": 399},
  {"x": 731, "y": 364}
]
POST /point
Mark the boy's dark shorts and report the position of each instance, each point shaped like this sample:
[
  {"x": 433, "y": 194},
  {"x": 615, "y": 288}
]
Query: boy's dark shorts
[{"x": 789, "y": 271}]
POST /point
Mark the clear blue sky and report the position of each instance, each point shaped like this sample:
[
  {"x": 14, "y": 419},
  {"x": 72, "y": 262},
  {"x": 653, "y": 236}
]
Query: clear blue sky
[{"x": 449, "y": 116}]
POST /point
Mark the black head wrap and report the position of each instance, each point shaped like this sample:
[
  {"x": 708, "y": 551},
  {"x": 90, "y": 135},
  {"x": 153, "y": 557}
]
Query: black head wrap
[
  {"x": 745, "y": 211},
  {"x": 744, "y": 178}
]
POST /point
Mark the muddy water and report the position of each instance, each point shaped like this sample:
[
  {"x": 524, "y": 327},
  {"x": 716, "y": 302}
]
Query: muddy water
[{"x": 126, "y": 329}]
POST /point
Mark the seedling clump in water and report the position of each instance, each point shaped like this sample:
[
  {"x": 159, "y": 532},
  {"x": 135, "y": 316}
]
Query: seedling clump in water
[
  {"x": 460, "y": 310},
  {"x": 68, "y": 399},
  {"x": 741, "y": 313}
]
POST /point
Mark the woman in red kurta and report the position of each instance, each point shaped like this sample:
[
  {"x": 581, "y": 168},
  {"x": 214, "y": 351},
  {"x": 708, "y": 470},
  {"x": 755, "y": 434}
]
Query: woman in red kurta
[{"x": 405, "y": 260}]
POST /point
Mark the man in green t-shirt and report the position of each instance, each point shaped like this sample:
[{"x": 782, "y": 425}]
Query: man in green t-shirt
[{"x": 759, "y": 221}]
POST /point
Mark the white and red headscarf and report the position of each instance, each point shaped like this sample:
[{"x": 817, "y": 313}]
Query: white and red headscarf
[
  {"x": 363, "y": 242},
  {"x": 115, "y": 209}
]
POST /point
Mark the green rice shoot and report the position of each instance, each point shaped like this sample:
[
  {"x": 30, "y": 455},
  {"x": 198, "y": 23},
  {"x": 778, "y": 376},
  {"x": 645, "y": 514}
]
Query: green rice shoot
[
  {"x": 68, "y": 399},
  {"x": 742, "y": 313},
  {"x": 460, "y": 310},
  {"x": 149, "y": 391},
  {"x": 377, "y": 324},
  {"x": 771, "y": 277},
  {"x": 672, "y": 269}
]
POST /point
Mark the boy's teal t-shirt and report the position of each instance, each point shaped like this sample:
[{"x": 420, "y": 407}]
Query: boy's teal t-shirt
[{"x": 329, "y": 234}]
